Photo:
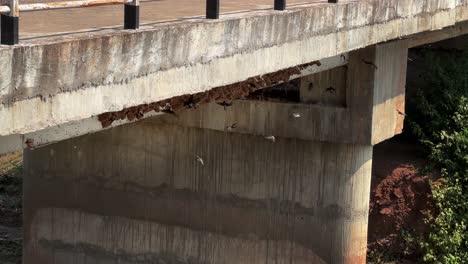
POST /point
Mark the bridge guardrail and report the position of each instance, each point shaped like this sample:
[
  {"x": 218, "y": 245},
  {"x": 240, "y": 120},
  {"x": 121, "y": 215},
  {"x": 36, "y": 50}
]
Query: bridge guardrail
[{"x": 9, "y": 31}]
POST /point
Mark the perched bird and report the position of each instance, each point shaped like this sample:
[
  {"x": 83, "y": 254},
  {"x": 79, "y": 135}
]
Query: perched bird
[
  {"x": 200, "y": 160},
  {"x": 168, "y": 109},
  {"x": 29, "y": 143},
  {"x": 271, "y": 138},
  {"x": 225, "y": 104},
  {"x": 190, "y": 103},
  {"x": 330, "y": 90},
  {"x": 231, "y": 127},
  {"x": 296, "y": 115}
]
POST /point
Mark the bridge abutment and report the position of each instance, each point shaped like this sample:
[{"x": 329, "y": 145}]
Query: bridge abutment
[{"x": 256, "y": 182}]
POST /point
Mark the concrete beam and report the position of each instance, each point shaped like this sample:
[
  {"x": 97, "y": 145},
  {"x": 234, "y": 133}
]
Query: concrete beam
[
  {"x": 340, "y": 122},
  {"x": 65, "y": 131},
  {"x": 186, "y": 188},
  {"x": 53, "y": 81},
  {"x": 366, "y": 105},
  {"x": 438, "y": 35}
]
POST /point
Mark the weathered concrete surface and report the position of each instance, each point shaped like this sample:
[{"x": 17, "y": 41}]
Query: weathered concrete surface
[
  {"x": 194, "y": 188},
  {"x": 57, "y": 80},
  {"x": 362, "y": 102},
  {"x": 108, "y": 120},
  {"x": 428, "y": 37},
  {"x": 140, "y": 194}
]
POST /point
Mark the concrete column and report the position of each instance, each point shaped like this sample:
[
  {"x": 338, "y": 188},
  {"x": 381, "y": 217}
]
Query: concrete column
[
  {"x": 193, "y": 188},
  {"x": 140, "y": 193}
]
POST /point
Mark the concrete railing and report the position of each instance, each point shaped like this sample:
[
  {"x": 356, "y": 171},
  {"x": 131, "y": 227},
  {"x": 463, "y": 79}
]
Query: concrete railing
[{"x": 10, "y": 13}]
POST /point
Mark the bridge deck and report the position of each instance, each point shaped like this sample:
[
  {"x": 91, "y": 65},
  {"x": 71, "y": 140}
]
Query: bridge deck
[{"x": 41, "y": 23}]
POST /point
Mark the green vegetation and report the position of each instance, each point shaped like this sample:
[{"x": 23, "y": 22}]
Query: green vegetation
[
  {"x": 10, "y": 251},
  {"x": 382, "y": 256},
  {"x": 438, "y": 117},
  {"x": 10, "y": 189},
  {"x": 10, "y": 208}
]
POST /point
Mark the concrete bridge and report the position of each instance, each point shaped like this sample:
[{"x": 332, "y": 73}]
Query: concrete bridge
[{"x": 168, "y": 144}]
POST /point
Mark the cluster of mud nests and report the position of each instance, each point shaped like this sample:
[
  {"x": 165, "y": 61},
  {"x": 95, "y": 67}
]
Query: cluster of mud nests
[{"x": 224, "y": 94}]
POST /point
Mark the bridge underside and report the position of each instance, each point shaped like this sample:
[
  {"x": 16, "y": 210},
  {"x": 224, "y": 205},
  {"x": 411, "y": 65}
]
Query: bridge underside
[
  {"x": 59, "y": 80},
  {"x": 261, "y": 181}
]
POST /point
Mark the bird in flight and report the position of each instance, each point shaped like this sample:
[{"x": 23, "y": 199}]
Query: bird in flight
[
  {"x": 271, "y": 138},
  {"x": 200, "y": 160}
]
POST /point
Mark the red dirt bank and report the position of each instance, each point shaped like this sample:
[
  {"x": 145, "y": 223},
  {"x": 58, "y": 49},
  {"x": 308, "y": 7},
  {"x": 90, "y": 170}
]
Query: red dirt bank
[{"x": 400, "y": 197}]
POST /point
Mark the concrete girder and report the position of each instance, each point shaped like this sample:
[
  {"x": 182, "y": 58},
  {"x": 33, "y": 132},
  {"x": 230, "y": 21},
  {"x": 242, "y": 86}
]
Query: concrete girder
[
  {"x": 177, "y": 191},
  {"x": 65, "y": 131},
  {"x": 53, "y": 81},
  {"x": 370, "y": 108}
]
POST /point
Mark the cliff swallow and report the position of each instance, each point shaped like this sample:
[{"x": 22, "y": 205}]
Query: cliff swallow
[
  {"x": 231, "y": 127},
  {"x": 168, "y": 109},
  {"x": 190, "y": 103},
  {"x": 225, "y": 104},
  {"x": 330, "y": 90},
  {"x": 400, "y": 112},
  {"x": 271, "y": 138},
  {"x": 200, "y": 160}
]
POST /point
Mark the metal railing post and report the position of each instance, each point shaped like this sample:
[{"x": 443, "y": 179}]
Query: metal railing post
[
  {"x": 280, "y": 4},
  {"x": 212, "y": 9},
  {"x": 132, "y": 15},
  {"x": 10, "y": 25}
]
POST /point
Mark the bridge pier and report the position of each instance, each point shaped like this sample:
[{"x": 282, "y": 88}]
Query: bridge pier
[{"x": 257, "y": 182}]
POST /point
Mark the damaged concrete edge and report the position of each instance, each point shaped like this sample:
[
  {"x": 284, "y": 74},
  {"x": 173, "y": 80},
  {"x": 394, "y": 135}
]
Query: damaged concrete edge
[{"x": 128, "y": 115}]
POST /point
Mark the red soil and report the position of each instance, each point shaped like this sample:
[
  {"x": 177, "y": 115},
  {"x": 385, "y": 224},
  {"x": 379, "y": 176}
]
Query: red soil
[{"x": 400, "y": 197}]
